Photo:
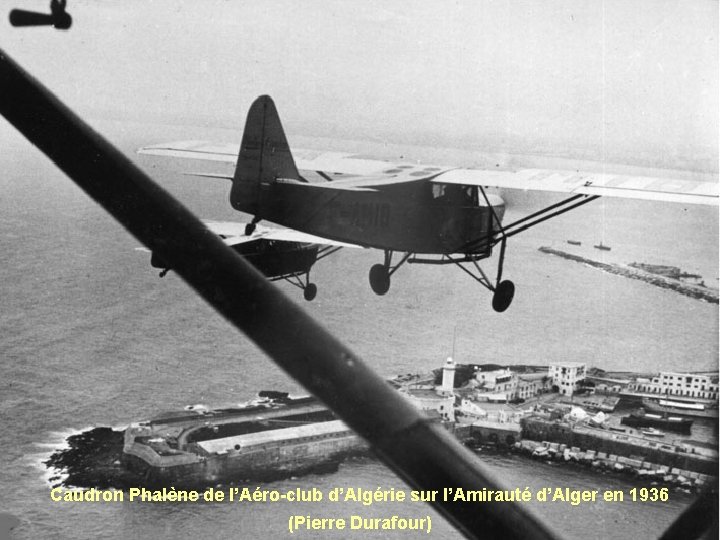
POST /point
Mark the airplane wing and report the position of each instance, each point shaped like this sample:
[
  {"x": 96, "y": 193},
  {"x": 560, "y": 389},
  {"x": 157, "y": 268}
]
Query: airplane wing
[
  {"x": 232, "y": 233},
  {"x": 560, "y": 181},
  {"x": 583, "y": 183},
  {"x": 307, "y": 160}
]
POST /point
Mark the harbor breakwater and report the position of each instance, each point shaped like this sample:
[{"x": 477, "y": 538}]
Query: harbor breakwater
[
  {"x": 607, "y": 443},
  {"x": 95, "y": 459},
  {"x": 699, "y": 292}
]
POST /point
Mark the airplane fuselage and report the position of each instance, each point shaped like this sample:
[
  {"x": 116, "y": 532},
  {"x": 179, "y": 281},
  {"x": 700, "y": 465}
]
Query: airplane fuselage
[{"x": 409, "y": 216}]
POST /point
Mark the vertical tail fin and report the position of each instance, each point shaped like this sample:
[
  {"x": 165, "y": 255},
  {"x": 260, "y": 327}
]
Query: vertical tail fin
[{"x": 264, "y": 155}]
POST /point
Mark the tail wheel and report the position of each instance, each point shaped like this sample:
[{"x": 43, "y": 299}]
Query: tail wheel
[
  {"x": 379, "y": 279},
  {"x": 503, "y": 296},
  {"x": 310, "y": 292}
]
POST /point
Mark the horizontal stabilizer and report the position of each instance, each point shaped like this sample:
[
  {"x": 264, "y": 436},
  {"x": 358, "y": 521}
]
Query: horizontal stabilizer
[
  {"x": 210, "y": 175},
  {"x": 201, "y": 150}
]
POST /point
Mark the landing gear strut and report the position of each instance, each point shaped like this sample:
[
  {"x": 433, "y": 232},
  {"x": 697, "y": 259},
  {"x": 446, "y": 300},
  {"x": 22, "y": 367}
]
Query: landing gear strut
[
  {"x": 309, "y": 289},
  {"x": 250, "y": 227}
]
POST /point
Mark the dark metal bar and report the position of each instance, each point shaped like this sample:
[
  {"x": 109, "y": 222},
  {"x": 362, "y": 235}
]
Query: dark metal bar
[
  {"x": 493, "y": 213},
  {"x": 326, "y": 252},
  {"x": 446, "y": 259},
  {"x": 398, "y": 265},
  {"x": 421, "y": 452},
  {"x": 501, "y": 259},
  {"x": 540, "y": 212},
  {"x": 554, "y": 214},
  {"x": 484, "y": 281}
]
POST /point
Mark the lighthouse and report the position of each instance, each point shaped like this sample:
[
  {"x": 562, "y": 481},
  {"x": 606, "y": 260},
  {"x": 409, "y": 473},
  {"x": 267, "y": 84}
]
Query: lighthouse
[{"x": 448, "y": 378}]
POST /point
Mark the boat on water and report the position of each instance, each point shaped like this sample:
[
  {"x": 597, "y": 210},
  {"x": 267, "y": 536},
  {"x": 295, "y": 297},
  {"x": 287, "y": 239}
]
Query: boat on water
[
  {"x": 652, "y": 432},
  {"x": 602, "y": 247},
  {"x": 267, "y": 439},
  {"x": 678, "y": 407},
  {"x": 574, "y": 242},
  {"x": 643, "y": 419}
]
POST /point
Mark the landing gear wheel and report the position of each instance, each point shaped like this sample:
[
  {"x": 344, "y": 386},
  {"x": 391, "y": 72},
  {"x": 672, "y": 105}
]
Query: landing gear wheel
[
  {"x": 503, "y": 296},
  {"x": 310, "y": 291},
  {"x": 249, "y": 229},
  {"x": 379, "y": 279}
]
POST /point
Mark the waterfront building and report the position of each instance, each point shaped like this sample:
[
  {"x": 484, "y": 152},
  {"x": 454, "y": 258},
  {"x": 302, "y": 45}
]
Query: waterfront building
[
  {"x": 504, "y": 385},
  {"x": 607, "y": 385},
  {"x": 471, "y": 409},
  {"x": 499, "y": 385},
  {"x": 700, "y": 448},
  {"x": 432, "y": 403},
  {"x": 667, "y": 383},
  {"x": 531, "y": 385},
  {"x": 565, "y": 376}
]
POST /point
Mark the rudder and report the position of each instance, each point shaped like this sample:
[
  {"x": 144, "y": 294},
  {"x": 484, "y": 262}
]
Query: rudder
[
  {"x": 264, "y": 152},
  {"x": 264, "y": 155}
]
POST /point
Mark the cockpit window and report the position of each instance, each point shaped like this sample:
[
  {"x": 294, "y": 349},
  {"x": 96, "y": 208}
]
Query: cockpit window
[{"x": 453, "y": 195}]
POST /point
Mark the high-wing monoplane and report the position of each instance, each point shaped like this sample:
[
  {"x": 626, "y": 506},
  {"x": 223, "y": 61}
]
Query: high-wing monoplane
[
  {"x": 426, "y": 214},
  {"x": 280, "y": 254}
]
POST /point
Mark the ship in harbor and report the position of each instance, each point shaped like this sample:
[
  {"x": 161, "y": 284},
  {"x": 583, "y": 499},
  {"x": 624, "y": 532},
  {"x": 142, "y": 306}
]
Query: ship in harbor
[
  {"x": 643, "y": 419},
  {"x": 680, "y": 407}
]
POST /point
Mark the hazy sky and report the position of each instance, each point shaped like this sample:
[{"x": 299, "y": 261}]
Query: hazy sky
[{"x": 617, "y": 79}]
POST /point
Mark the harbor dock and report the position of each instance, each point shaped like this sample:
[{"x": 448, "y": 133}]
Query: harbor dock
[{"x": 562, "y": 412}]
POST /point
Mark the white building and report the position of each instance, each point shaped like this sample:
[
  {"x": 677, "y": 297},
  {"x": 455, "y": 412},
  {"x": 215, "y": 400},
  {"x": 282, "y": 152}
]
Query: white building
[
  {"x": 498, "y": 385},
  {"x": 429, "y": 401},
  {"x": 689, "y": 385},
  {"x": 566, "y": 376},
  {"x": 503, "y": 385},
  {"x": 448, "y": 378},
  {"x": 530, "y": 385},
  {"x": 438, "y": 401}
]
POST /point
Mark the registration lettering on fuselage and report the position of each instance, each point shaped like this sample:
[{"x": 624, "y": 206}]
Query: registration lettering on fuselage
[{"x": 358, "y": 214}]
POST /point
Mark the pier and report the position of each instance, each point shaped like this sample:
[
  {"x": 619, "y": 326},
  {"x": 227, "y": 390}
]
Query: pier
[{"x": 692, "y": 290}]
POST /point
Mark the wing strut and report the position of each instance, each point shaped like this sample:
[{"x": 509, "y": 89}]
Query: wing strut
[
  {"x": 520, "y": 225},
  {"x": 504, "y": 291}
]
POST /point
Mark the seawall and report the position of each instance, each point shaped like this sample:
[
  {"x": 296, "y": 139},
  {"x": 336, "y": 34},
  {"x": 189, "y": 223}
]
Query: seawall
[
  {"x": 686, "y": 289},
  {"x": 618, "y": 444}
]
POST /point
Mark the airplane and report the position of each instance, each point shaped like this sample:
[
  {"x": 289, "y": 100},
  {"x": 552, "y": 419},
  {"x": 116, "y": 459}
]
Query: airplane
[
  {"x": 279, "y": 254},
  {"x": 427, "y": 214}
]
